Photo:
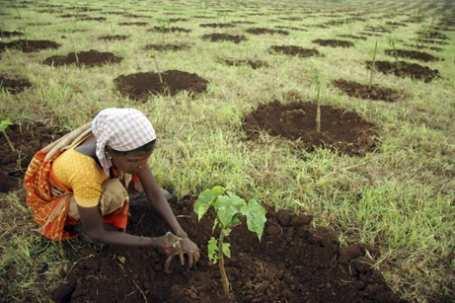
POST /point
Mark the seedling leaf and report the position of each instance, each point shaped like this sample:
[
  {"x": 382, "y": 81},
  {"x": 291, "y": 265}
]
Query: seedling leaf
[
  {"x": 227, "y": 249},
  {"x": 255, "y": 217},
  {"x": 212, "y": 248}
]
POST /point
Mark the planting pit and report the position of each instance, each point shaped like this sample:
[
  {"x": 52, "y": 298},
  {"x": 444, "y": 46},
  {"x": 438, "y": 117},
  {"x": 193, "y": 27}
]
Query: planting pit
[
  {"x": 254, "y": 64},
  {"x": 215, "y": 37},
  {"x": 333, "y": 43},
  {"x": 263, "y": 31},
  {"x": 84, "y": 58},
  {"x": 217, "y": 25},
  {"x": 171, "y": 29},
  {"x": 30, "y": 46},
  {"x": 167, "y": 47},
  {"x": 113, "y": 37},
  {"x": 342, "y": 131},
  {"x": 405, "y": 69},
  {"x": 140, "y": 85},
  {"x": 375, "y": 92},
  {"x": 293, "y": 263},
  {"x": 412, "y": 54},
  {"x": 8, "y": 34},
  {"x": 292, "y": 50},
  {"x": 27, "y": 138},
  {"x": 13, "y": 84}
]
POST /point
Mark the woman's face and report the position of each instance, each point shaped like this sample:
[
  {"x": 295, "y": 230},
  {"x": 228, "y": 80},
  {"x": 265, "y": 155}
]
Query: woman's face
[{"x": 130, "y": 163}]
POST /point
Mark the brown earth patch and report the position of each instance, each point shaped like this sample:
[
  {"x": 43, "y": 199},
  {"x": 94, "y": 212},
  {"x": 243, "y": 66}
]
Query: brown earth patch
[
  {"x": 217, "y": 25},
  {"x": 171, "y": 29},
  {"x": 263, "y": 31},
  {"x": 90, "y": 18},
  {"x": 113, "y": 37},
  {"x": 292, "y": 28},
  {"x": 377, "y": 29},
  {"x": 39, "y": 23},
  {"x": 433, "y": 35},
  {"x": 412, "y": 54},
  {"x": 67, "y": 16},
  {"x": 140, "y": 85},
  {"x": 138, "y": 23},
  {"x": 375, "y": 92},
  {"x": 432, "y": 41},
  {"x": 341, "y": 130},
  {"x": 215, "y": 37},
  {"x": 7, "y": 34},
  {"x": 292, "y": 263},
  {"x": 355, "y": 37},
  {"x": 13, "y": 84},
  {"x": 29, "y": 46},
  {"x": 167, "y": 47},
  {"x": 333, "y": 42},
  {"x": 254, "y": 64},
  {"x": 292, "y": 50},
  {"x": 423, "y": 46},
  {"x": 405, "y": 69},
  {"x": 368, "y": 34},
  {"x": 178, "y": 19},
  {"x": 84, "y": 58},
  {"x": 242, "y": 22},
  {"x": 27, "y": 138}
]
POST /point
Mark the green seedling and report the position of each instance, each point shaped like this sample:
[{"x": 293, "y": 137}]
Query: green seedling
[
  {"x": 229, "y": 208},
  {"x": 157, "y": 67},
  {"x": 373, "y": 65},
  {"x": 4, "y": 124}
]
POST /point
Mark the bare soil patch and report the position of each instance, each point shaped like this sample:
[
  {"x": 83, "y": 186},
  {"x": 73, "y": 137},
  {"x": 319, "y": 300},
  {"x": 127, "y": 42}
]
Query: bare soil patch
[
  {"x": 253, "y": 63},
  {"x": 242, "y": 22},
  {"x": 375, "y": 92},
  {"x": 113, "y": 37},
  {"x": 405, "y": 69},
  {"x": 8, "y": 34},
  {"x": 342, "y": 131},
  {"x": 171, "y": 29},
  {"x": 333, "y": 42},
  {"x": 178, "y": 19},
  {"x": 293, "y": 263},
  {"x": 215, "y": 37},
  {"x": 217, "y": 25},
  {"x": 84, "y": 58},
  {"x": 167, "y": 47},
  {"x": 29, "y": 46},
  {"x": 355, "y": 37},
  {"x": 292, "y": 50},
  {"x": 138, "y": 86},
  {"x": 412, "y": 54},
  {"x": 291, "y": 28},
  {"x": 433, "y": 35},
  {"x": 27, "y": 138},
  {"x": 136, "y": 23},
  {"x": 263, "y": 31},
  {"x": 377, "y": 29},
  {"x": 432, "y": 41},
  {"x": 90, "y": 18},
  {"x": 13, "y": 84},
  {"x": 423, "y": 46}
]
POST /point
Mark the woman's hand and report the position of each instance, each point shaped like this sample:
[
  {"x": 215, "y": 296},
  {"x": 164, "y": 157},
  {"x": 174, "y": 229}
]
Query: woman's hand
[{"x": 175, "y": 246}]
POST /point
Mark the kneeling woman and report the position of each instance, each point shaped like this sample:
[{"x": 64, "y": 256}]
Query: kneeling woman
[{"x": 81, "y": 181}]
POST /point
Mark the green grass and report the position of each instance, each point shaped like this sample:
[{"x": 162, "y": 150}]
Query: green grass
[{"x": 398, "y": 200}]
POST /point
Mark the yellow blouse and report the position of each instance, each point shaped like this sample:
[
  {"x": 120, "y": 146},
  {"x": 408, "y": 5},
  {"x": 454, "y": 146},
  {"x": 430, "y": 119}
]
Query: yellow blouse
[{"x": 82, "y": 175}]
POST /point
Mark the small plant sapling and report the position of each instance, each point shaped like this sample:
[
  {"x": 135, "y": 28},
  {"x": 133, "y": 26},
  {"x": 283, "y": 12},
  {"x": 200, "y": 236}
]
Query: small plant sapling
[
  {"x": 4, "y": 124},
  {"x": 157, "y": 67},
  {"x": 228, "y": 208},
  {"x": 317, "y": 80},
  {"x": 373, "y": 65}
]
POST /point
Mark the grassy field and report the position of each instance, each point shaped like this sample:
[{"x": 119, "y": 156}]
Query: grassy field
[{"x": 398, "y": 200}]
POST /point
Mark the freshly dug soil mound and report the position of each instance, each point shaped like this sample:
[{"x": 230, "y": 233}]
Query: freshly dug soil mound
[
  {"x": 138, "y": 23},
  {"x": 7, "y": 34},
  {"x": 292, "y": 50},
  {"x": 138, "y": 86},
  {"x": 113, "y": 37},
  {"x": 355, "y": 37},
  {"x": 362, "y": 91},
  {"x": 263, "y": 31},
  {"x": 292, "y": 263},
  {"x": 217, "y": 25},
  {"x": 405, "y": 69},
  {"x": 342, "y": 131},
  {"x": 13, "y": 85},
  {"x": 333, "y": 43},
  {"x": 30, "y": 46},
  {"x": 433, "y": 35},
  {"x": 166, "y": 47},
  {"x": 432, "y": 41},
  {"x": 26, "y": 138},
  {"x": 404, "y": 53},
  {"x": 254, "y": 64},
  {"x": 215, "y": 37},
  {"x": 87, "y": 58},
  {"x": 172, "y": 29}
]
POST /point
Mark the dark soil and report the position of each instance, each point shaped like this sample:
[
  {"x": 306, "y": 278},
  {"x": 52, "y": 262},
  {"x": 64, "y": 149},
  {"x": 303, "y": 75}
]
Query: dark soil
[
  {"x": 7, "y": 34},
  {"x": 138, "y": 86},
  {"x": 29, "y": 46},
  {"x": 178, "y": 19},
  {"x": 138, "y": 23},
  {"x": 362, "y": 91},
  {"x": 377, "y": 29},
  {"x": 13, "y": 85},
  {"x": 263, "y": 31},
  {"x": 254, "y": 64},
  {"x": 27, "y": 138},
  {"x": 113, "y": 37},
  {"x": 86, "y": 58},
  {"x": 171, "y": 29},
  {"x": 433, "y": 35},
  {"x": 417, "y": 55},
  {"x": 217, "y": 25},
  {"x": 292, "y": 50},
  {"x": 355, "y": 37},
  {"x": 89, "y": 18},
  {"x": 405, "y": 69},
  {"x": 166, "y": 47},
  {"x": 342, "y": 131},
  {"x": 215, "y": 37},
  {"x": 333, "y": 42},
  {"x": 423, "y": 46},
  {"x": 292, "y": 28},
  {"x": 432, "y": 41},
  {"x": 293, "y": 263}
]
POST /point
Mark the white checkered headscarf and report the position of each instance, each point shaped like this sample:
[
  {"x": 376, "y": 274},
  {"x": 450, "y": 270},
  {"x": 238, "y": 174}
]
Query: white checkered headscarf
[{"x": 122, "y": 129}]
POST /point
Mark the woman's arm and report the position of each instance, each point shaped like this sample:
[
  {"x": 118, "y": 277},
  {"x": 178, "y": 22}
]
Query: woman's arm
[{"x": 159, "y": 202}]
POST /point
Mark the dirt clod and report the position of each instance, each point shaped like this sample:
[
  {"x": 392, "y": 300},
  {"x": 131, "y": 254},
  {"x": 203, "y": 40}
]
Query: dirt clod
[
  {"x": 13, "y": 84},
  {"x": 84, "y": 58},
  {"x": 412, "y": 54},
  {"x": 405, "y": 69},
  {"x": 29, "y": 46},
  {"x": 375, "y": 92}
]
